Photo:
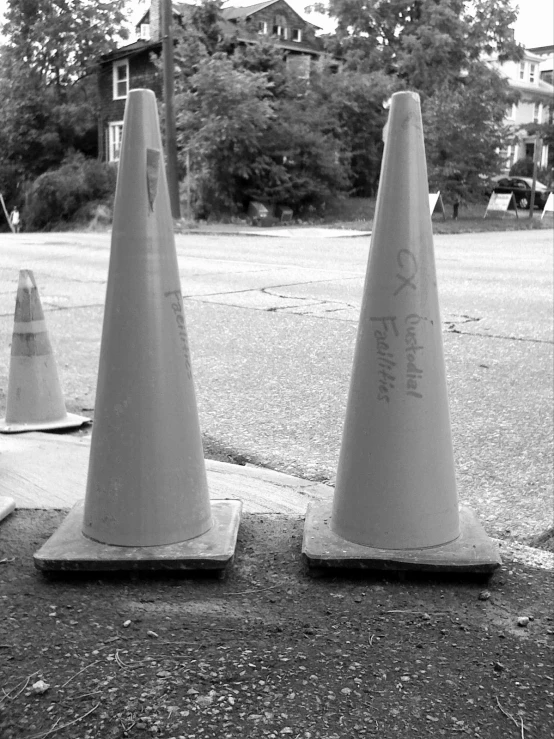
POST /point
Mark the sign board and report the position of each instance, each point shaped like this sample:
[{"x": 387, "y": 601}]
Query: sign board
[
  {"x": 548, "y": 206},
  {"x": 501, "y": 203},
  {"x": 435, "y": 202}
]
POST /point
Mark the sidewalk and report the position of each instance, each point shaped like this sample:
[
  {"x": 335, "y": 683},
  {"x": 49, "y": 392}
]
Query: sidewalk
[{"x": 42, "y": 471}]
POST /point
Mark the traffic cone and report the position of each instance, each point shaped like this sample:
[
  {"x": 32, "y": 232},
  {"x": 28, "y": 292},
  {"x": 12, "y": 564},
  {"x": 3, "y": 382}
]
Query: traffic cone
[
  {"x": 146, "y": 503},
  {"x": 395, "y": 503},
  {"x": 35, "y": 401}
]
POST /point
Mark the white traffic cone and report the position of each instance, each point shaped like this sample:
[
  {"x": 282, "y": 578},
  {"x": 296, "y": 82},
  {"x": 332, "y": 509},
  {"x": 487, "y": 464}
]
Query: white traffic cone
[
  {"x": 395, "y": 501},
  {"x": 147, "y": 504},
  {"x": 35, "y": 401}
]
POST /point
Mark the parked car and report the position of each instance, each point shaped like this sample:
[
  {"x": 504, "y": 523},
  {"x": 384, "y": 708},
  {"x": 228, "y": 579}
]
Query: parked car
[{"x": 521, "y": 187}]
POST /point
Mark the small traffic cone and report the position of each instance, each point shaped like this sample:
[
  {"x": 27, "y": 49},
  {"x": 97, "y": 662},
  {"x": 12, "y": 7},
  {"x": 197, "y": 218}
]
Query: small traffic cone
[
  {"x": 395, "y": 504},
  {"x": 147, "y": 503},
  {"x": 35, "y": 401}
]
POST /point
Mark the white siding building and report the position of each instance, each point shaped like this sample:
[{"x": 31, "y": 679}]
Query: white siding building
[{"x": 532, "y": 78}]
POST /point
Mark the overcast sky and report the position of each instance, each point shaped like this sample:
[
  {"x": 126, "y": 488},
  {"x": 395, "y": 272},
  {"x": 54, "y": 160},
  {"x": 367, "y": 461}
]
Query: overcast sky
[{"x": 534, "y": 26}]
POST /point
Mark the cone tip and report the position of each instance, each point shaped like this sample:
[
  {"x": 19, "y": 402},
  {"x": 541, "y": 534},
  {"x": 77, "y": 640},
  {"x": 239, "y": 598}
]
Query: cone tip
[
  {"x": 26, "y": 280},
  {"x": 406, "y": 95},
  {"x": 140, "y": 93}
]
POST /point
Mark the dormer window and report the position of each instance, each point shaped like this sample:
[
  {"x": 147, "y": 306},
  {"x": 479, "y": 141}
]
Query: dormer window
[
  {"x": 532, "y": 68},
  {"x": 522, "y": 70},
  {"x": 280, "y": 26},
  {"x": 296, "y": 34},
  {"x": 145, "y": 31},
  {"x": 120, "y": 79}
]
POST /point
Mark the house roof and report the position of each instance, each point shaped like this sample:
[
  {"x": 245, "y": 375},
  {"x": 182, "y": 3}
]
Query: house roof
[
  {"x": 130, "y": 50},
  {"x": 542, "y": 49},
  {"x": 542, "y": 89},
  {"x": 246, "y": 11}
]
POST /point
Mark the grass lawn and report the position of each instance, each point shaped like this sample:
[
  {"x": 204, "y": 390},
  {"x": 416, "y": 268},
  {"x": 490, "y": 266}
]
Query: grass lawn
[{"x": 357, "y": 213}]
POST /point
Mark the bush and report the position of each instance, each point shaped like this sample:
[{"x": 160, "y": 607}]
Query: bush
[
  {"x": 56, "y": 196},
  {"x": 524, "y": 168}
]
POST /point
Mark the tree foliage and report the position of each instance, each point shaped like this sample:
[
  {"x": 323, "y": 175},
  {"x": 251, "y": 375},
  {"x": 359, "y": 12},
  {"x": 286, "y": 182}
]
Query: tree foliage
[
  {"x": 251, "y": 130},
  {"x": 437, "y": 48},
  {"x": 47, "y": 79}
]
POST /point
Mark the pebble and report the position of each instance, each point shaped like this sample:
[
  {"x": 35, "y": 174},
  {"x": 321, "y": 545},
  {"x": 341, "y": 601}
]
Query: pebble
[
  {"x": 484, "y": 595},
  {"x": 523, "y": 621}
]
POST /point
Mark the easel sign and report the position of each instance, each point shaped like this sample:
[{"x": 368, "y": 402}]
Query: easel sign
[
  {"x": 435, "y": 201},
  {"x": 501, "y": 203},
  {"x": 548, "y": 206}
]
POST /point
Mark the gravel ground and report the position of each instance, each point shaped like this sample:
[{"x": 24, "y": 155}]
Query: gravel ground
[{"x": 271, "y": 650}]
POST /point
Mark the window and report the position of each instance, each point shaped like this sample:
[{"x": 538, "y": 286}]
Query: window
[
  {"x": 120, "y": 79},
  {"x": 262, "y": 27},
  {"x": 522, "y": 70},
  {"x": 537, "y": 113},
  {"x": 145, "y": 31},
  {"x": 532, "y": 68},
  {"x": 278, "y": 31},
  {"x": 296, "y": 34},
  {"x": 115, "y": 133},
  {"x": 514, "y": 111}
]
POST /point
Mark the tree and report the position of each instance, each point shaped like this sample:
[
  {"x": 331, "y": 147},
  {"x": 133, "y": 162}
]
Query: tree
[
  {"x": 423, "y": 43},
  {"x": 47, "y": 78},
  {"x": 437, "y": 48},
  {"x": 250, "y": 129},
  {"x": 465, "y": 133}
]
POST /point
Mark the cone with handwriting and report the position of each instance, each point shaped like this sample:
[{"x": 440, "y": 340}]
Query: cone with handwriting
[
  {"x": 395, "y": 503},
  {"x": 35, "y": 401},
  {"x": 147, "y": 504}
]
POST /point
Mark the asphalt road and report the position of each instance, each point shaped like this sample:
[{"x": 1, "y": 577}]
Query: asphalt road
[{"x": 272, "y": 324}]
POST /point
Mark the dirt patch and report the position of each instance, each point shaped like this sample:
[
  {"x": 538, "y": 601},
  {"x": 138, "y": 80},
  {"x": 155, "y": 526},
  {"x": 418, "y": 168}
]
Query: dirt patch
[{"x": 270, "y": 650}]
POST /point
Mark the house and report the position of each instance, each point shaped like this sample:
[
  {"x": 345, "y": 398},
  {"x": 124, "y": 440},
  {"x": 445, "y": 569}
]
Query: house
[
  {"x": 532, "y": 79},
  {"x": 132, "y": 66}
]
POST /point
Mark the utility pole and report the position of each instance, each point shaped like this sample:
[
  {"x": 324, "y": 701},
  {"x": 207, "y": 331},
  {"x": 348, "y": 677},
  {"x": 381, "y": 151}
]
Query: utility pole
[
  {"x": 536, "y": 152},
  {"x": 168, "y": 87}
]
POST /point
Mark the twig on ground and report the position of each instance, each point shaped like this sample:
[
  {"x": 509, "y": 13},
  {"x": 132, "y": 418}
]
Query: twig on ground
[
  {"x": 83, "y": 695},
  {"x": 509, "y": 715},
  {"x": 63, "y": 726},
  {"x": 9, "y": 694},
  {"x": 257, "y": 590},
  {"x": 422, "y": 613},
  {"x": 80, "y": 671}
]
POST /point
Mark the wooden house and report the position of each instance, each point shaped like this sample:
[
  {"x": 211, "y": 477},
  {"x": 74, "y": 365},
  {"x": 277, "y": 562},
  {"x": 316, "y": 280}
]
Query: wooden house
[{"x": 133, "y": 66}]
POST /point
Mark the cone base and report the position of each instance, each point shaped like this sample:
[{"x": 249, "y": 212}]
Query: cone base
[
  {"x": 68, "y": 550},
  {"x": 472, "y": 552},
  {"x": 69, "y": 421},
  {"x": 7, "y": 505}
]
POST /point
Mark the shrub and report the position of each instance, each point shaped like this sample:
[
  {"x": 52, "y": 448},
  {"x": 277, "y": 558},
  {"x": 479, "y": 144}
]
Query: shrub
[{"x": 57, "y": 195}]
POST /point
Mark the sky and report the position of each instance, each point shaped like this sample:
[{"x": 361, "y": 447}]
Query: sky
[{"x": 534, "y": 27}]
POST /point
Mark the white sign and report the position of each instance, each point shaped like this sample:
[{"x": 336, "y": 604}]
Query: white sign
[
  {"x": 434, "y": 201},
  {"x": 501, "y": 203},
  {"x": 548, "y": 206}
]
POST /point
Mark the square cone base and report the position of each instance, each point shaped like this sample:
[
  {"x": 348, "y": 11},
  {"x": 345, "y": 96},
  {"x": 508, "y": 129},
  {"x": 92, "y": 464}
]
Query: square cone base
[
  {"x": 69, "y": 550},
  {"x": 7, "y": 505},
  {"x": 69, "y": 421},
  {"x": 472, "y": 552}
]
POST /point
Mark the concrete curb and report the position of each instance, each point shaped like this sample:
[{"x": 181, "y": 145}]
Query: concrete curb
[
  {"x": 41, "y": 471},
  {"x": 48, "y": 471}
]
